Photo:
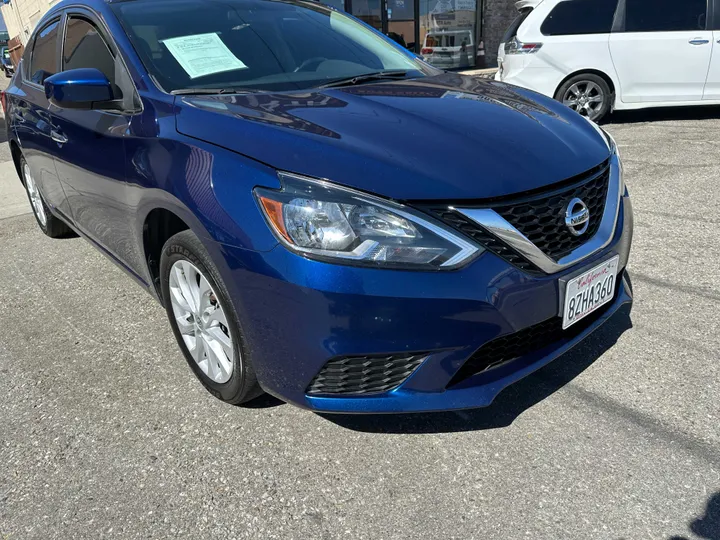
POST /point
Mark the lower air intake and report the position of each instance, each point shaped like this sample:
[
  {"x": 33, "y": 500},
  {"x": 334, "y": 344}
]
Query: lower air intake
[
  {"x": 365, "y": 374},
  {"x": 510, "y": 347}
]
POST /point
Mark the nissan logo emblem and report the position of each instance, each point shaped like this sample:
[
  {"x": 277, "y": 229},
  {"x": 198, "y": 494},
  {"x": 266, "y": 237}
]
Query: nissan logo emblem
[{"x": 577, "y": 217}]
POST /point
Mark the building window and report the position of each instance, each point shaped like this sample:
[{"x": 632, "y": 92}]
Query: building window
[
  {"x": 337, "y": 4},
  {"x": 447, "y": 32}
]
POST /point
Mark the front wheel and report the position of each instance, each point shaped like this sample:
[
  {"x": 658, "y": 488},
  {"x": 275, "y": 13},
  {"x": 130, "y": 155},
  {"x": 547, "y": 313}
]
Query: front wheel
[
  {"x": 51, "y": 225},
  {"x": 204, "y": 320},
  {"x": 586, "y": 94}
]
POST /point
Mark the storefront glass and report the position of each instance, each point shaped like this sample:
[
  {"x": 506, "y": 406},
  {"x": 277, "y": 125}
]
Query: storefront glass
[
  {"x": 337, "y": 4},
  {"x": 369, "y": 11},
  {"x": 444, "y": 31},
  {"x": 447, "y": 32},
  {"x": 401, "y": 22}
]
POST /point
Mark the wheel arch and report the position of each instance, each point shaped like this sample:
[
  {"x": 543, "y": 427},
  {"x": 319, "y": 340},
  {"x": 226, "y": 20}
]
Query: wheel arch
[
  {"x": 159, "y": 225},
  {"x": 16, "y": 154},
  {"x": 608, "y": 79}
]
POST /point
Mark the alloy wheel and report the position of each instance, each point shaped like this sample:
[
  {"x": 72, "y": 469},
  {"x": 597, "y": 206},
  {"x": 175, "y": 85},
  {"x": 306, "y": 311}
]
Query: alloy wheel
[
  {"x": 585, "y": 98},
  {"x": 202, "y": 321},
  {"x": 35, "y": 197}
]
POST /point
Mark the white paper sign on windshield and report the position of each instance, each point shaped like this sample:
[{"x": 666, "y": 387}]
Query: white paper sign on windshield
[{"x": 202, "y": 54}]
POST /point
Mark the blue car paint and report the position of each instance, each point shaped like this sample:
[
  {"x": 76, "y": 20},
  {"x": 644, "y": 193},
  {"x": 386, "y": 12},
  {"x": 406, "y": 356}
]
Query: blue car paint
[
  {"x": 448, "y": 137},
  {"x": 85, "y": 86},
  {"x": 365, "y": 311}
]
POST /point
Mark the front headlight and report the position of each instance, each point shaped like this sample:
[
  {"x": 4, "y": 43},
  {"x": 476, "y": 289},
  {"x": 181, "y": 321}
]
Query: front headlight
[
  {"x": 613, "y": 147},
  {"x": 324, "y": 221},
  {"x": 609, "y": 139}
]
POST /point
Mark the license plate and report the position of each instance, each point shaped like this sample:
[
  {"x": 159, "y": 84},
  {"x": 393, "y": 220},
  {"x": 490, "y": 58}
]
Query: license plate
[{"x": 589, "y": 291}]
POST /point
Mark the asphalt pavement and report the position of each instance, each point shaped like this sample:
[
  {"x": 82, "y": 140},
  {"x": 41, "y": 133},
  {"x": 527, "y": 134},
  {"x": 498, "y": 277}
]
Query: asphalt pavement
[{"x": 105, "y": 433}]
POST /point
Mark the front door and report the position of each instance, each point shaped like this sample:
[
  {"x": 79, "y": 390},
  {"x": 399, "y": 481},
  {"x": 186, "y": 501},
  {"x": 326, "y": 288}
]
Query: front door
[
  {"x": 91, "y": 165},
  {"x": 33, "y": 121},
  {"x": 712, "y": 85},
  {"x": 664, "y": 52}
]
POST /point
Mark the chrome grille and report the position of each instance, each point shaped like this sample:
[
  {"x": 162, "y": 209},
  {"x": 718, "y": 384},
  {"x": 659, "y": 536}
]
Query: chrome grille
[
  {"x": 539, "y": 215},
  {"x": 542, "y": 220}
]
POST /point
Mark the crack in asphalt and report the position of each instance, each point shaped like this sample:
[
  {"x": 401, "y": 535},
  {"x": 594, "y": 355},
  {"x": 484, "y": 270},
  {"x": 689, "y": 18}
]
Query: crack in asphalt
[{"x": 700, "y": 292}]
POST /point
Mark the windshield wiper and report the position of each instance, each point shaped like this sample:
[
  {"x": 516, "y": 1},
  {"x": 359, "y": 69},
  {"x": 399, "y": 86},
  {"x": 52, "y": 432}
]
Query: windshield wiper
[
  {"x": 203, "y": 91},
  {"x": 377, "y": 76}
]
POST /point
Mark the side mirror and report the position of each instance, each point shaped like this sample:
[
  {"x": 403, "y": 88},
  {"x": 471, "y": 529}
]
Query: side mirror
[{"x": 85, "y": 88}]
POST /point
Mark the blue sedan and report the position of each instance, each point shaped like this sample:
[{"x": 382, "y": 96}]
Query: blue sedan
[{"x": 324, "y": 216}]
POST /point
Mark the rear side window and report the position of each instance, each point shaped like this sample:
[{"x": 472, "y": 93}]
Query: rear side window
[
  {"x": 84, "y": 47},
  {"x": 512, "y": 31},
  {"x": 665, "y": 15},
  {"x": 43, "y": 61},
  {"x": 575, "y": 17}
]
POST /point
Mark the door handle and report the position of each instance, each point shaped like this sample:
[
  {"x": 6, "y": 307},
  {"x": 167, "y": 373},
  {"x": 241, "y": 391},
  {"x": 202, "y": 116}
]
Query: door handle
[
  {"x": 699, "y": 41},
  {"x": 58, "y": 137}
]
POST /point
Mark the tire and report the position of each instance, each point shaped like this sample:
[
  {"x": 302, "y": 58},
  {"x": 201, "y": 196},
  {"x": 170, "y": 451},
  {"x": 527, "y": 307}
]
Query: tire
[
  {"x": 587, "y": 86},
  {"x": 185, "y": 262},
  {"x": 51, "y": 225}
]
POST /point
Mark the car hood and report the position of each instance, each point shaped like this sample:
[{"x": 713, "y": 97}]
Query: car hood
[{"x": 448, "y": 137}]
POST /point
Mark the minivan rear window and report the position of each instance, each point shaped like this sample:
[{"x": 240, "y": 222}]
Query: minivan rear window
[
  {"x": 512, "y": 31},
  {"x": 574, "y": 17}
]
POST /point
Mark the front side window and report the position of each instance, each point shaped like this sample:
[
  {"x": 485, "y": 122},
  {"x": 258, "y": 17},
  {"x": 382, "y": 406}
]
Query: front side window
[
  {"x": 574, "y": 17},
  {"x": 254, "y": 44},
  {"x": 43, "y": 61},
  {"x": 84, "y": 47},
  {"x": 665, "y": 15}
]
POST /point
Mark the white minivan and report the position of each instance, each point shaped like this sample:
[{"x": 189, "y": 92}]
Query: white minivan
[{"x": 600, "y": 55}]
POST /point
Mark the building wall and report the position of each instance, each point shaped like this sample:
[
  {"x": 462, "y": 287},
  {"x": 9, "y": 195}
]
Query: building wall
[
  {"x": 21, "y": 16},
  {"x": 498, "y": 16}
]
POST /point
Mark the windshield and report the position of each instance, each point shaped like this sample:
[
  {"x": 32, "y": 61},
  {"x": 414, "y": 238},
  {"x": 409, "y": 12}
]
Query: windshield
[{"x": 255, "y": 44}]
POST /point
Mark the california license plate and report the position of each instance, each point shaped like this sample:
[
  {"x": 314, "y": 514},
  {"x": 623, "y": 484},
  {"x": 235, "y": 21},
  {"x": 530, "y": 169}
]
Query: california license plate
[{"x": 590, "y": 291}]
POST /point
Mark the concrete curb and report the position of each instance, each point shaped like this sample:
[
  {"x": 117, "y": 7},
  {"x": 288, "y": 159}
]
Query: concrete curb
[{"x": 13, "y": 200}]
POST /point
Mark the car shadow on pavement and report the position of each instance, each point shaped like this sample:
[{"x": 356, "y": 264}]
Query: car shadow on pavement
[
  {"x": 511, "y": 402},
  {"x": 660, "y": 114},
  {"x": 264, "y": 401},
  {"x": 707, "y": 526}
]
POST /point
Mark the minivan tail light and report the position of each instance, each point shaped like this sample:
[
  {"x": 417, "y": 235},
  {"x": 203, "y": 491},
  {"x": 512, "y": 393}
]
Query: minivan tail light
[
  {"x": 426, "y": 50},
  {"x": 518, "y": 47}
]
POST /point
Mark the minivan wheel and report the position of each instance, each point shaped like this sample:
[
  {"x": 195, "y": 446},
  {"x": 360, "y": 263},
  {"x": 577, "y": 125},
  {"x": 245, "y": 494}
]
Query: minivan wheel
[
  {"x": 586, "y": 94},
  {"x": 51, "y": 225},
  {"x": 204, "y": 320}
]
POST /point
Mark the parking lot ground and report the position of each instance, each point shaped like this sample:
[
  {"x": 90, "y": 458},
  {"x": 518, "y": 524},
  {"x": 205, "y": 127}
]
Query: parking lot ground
[{"x": 104, "y": 432}]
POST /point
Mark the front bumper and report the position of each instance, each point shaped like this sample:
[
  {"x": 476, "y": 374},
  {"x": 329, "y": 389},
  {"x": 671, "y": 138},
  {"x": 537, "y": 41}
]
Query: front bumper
[{"x": 298, "y": 314}]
